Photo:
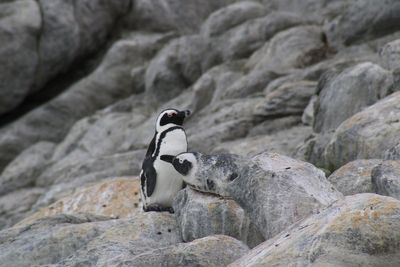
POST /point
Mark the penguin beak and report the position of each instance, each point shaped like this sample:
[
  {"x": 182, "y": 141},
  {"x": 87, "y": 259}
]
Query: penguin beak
[{"x": 184, "y": 113}]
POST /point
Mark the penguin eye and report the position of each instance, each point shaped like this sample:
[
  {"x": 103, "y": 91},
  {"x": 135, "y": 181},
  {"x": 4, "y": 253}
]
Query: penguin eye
[
  {"x": 180, "y": 161},
  {"x": 169, "y": 115}
]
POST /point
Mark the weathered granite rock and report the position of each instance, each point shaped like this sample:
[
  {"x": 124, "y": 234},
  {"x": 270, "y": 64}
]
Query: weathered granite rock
[
  {"x": 386, "y": 178},
  {"x": 358, "y": 230},
  {"x": 393, "y": 153},
  {"x": 355, "y": 177},
  {"x": 343, "y": 94},
  {"x": 284, "y": 142},
  {"x": 199, "y": 215},
  {"x": 308, "y": 115},
  {"x": 16, "y": 205},
  {"x": 230, "y": 16},
  {"x": 243, "y": 40},
  {"x": 115, "y": 198},
  {"x": 390, "y": 55},
  {"x": 65, "y": 177},
  {"x": 367, "y": 134},
  {"x": 19, "y": 27},
  {"x": 296, "y": 47},
  {"x": 275, "y": 191},
  {"x": 210, "y": 251},
  {"x": 362, "y": 20},
  {"x": 86, "y": 239},
  {"x": 290, "y": 99},
  {"x": 25, "y": 169},
  {"x": 120, "y": 74}
]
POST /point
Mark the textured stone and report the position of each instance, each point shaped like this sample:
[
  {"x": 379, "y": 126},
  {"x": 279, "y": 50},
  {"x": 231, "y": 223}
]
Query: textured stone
[
  {"x": 115, "y": 80},
  {"x": 367, "y": 134},
  {"x": 284, "y": 142},
  {"x": 205, "y": 251},
  {"x": 199, "y": 215},
  {"x": 24, "y": 169},
  {"x": 230, "y": 16},
  {"x": 362, "y": 20},
  {"x": 20, "y": 23},
  {"x": 296, "y": 47},
  {"x": 70, "y": 240},
  {"x": 359, "y": 230},
  {"x": 386, "y": 178},
  {"x": 343, "y": 94},
  {"x": 275, "y": 191},
  {"x": 354, "y": 177},
  {"x": 390, "y": 55},
  {"x": 116, "y": 198},
  {"x": 393, "y": 153}
]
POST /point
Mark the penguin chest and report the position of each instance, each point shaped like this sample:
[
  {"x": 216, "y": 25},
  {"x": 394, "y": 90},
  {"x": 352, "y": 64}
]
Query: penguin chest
[
  {"x": 173, "y": 143},
  {"x": 169, "y": 182}
]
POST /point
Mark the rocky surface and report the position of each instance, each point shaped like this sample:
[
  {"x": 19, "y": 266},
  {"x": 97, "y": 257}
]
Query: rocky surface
[
  {"x": 81, "y": 83},
  {"x": 358, "y": 230}
]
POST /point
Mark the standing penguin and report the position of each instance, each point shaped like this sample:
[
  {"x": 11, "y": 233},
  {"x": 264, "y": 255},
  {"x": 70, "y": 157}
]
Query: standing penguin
[{"x": 159, "y": 180}]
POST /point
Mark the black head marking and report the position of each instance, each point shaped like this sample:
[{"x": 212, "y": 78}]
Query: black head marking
[
  {"x": 182, "y": 167},
  {"x": 167, "y": 158},
  {"x": 174, "y": 116}
]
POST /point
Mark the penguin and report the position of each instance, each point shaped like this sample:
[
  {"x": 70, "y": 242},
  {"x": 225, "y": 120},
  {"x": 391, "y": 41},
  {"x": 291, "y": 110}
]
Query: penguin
[{"x": 159, "y": 180}]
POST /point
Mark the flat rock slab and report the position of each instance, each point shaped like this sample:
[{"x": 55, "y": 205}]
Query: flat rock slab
[{"x": 359, "y": 230}]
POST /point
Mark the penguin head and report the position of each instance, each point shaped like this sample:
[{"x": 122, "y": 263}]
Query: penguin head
[
  {"x": 207, "y": 173},
  {"x": 171, "y": 117}
]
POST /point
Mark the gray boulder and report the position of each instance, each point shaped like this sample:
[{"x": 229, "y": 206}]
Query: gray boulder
[
  {"x": 230, "y": 16},
  {"x": 284, "y": 141},
  {"x": 367, "y": 134},
  {"x": 243, "y": 40},
  {"x": 17, "y": 205},
  {"x": 355, "y": 177},
  {"x": 362, "y": 20},
  {"x": 386, "y": 178},
  {"x": 359, "y": 230},
  {"x": 25, "y": 169},
  {"x": 199, "y": 215},
  {"x": 296, "y": 47},
  {"x": 85, "y": 239},
  {"x": 211, "y": 251},
  {"x": 275, "y": 191},
  {"x": 120, "y": 74},
  {"x": 390, "y": 55},
  {"x": 393, "y": 153},
  {"x": 19, "y": 27},
  {"x": 290, "y": 99},
  {"x": 343, "y": 94}
]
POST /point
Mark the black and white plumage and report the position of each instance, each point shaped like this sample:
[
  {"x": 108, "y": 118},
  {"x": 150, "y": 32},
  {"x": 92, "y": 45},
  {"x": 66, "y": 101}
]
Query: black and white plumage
[{"x": 159, "y": 180}]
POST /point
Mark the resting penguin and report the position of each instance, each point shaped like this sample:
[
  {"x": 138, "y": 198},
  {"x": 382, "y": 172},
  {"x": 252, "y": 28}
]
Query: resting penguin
[
  {"x": 159, "y": 180},
  {"x": 274, "y": 190}
]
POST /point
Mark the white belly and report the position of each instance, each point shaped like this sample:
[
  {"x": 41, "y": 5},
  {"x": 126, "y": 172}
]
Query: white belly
[{"x": 169, "y": 182}]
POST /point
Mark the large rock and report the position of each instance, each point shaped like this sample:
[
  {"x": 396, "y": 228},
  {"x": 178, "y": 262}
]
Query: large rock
[
  {"x": 362, "y": 20},
  {"x": 345, "y": 93},
  {"x": 199, "y": 215},
  {"x": 354, "y": 177},
  {"x": 86, "y": 239},
  {"x": 284, "y": 142},
  {"x": 360, "y": 230},
  {"x": 115, "y": 198},
  {"x": 120, "y": 74},
  {"x": 230, "y": 16},
  {"x": 386, "y": 178},
  {"x": 212, "y": 251},
  {"x": 367, "y": 134},
  {"x": 19, "y": 30},
  {"x": 390, "y": 55},
  {"x": 275, "y": 191},
  {"x": 297, "y": 47},
  {"x": 24, "y": 169},
  {"x": 16, "y": 205}
]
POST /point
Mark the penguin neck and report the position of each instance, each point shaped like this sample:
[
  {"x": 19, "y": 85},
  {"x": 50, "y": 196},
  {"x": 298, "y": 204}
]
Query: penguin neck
[{"x": 163, "y": 128}]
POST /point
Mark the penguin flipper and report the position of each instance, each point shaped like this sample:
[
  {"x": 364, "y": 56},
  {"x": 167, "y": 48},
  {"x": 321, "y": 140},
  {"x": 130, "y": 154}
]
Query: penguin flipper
[
  {"x": 151, "y": 179},
  {"x": 151, "y": 148}
]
